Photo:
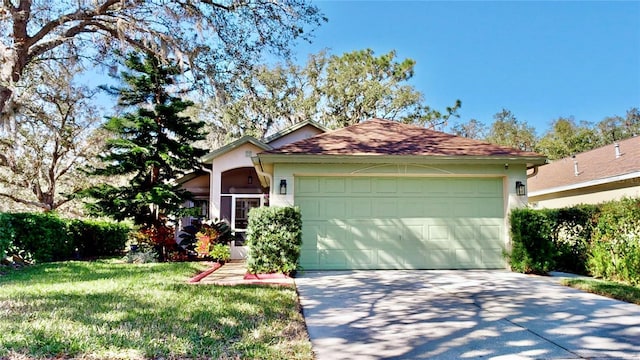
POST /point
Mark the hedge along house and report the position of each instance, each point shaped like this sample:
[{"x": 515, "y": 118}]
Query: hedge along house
[
  {"x": 385, "y": 195},
  {"x": 229, "y": 185}
]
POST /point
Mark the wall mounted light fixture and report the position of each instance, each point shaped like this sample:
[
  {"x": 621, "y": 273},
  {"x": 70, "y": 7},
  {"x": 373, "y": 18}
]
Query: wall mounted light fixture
[
  {"x": 521, "y": 188},
  {"x": 283, "y": 187}
]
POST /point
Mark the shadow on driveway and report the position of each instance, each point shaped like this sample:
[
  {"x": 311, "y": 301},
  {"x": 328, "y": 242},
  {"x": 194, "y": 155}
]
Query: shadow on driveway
[{"x": 467, "y": 314}]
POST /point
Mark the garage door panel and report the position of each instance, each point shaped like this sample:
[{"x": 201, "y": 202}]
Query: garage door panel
[
  {"x": 385, "y": 186},
  {"x": 438, "y": 232},
  {"x": 307, "y": 186},
  {"x": 333, "y": 259},
  {"x": 401, "y": 223},
  {"x": 415, "y": 186},
  {"x": 434, "y": 208},
  {"x": 333, "y": 208},
  {"x": 384, "y": 207},
  {"x": 492, "y": 258},
  {"x": 468, "y": 257},
  {"x": 362, "y": 258},
  {"x": 361, "y": 208},
  {"x": 361, "y": 186},
  {"x": 333, "y": 185}
]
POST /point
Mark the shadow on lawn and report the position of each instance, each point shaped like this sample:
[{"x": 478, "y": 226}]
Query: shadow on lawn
[{"x": 139, "y": 319}]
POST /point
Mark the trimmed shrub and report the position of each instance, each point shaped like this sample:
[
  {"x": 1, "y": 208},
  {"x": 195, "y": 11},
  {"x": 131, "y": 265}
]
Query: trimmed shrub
[
  {"x": 44, "y": 237},
  {"x": 94, "y": 238},
  {"x": 274, "y": 237},
  {"x": 6, "y": 239},
  {"x": 551, "y": 239},
  {"x": 615, "y": 247},
  {"x": 532, "y": 249},
  {"x": 572, "y": 229}
]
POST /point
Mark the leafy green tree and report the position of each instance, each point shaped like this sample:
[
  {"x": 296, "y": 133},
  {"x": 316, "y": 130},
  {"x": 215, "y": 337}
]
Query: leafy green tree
[
  {"x": 473, "y": 129},
  {"x": 360, "y": 85},
  {"x": 566, "y": 138},
  {"x": 336, "y": 91},
  {"x": 616, "y": 128},
  {"x": 152, "y": 146},
  {"x": 507, "y": 130}
]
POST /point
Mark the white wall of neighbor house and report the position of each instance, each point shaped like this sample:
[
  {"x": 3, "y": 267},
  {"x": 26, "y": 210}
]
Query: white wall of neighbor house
[
  {"x": 592, "y": 196},
  {"x": 237, "y": 158},
  {"x": 510, "y": 175}
]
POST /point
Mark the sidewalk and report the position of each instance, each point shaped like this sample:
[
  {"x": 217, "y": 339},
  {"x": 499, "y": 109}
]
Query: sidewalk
[{"x": 235, "y": 273}]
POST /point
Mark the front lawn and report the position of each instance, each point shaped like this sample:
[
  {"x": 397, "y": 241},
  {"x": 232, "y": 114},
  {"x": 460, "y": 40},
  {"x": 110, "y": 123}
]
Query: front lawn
[
  {"x": 610, "y": 289},
  {"x": 108, "y": 309}
]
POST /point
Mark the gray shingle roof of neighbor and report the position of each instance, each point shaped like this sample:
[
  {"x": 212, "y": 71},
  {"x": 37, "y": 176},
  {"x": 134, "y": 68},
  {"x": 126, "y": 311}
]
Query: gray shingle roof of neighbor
[
  {"x": 385, "y": 137},
  {"x": 596, "y": 164}
]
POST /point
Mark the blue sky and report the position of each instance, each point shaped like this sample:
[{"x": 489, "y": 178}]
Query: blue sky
[{"x": 541, "y": 60}]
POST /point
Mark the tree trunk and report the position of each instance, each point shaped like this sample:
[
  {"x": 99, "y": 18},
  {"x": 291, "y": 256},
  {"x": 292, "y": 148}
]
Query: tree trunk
[{"x": 5, "y": 94}]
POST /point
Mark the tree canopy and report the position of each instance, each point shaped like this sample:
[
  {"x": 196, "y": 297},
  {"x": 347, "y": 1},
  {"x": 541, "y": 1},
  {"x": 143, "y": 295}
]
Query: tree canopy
[
  {"x": 212, "y": 39},
  {"x": 564, "y": 138},
  {"x": 55, "y": 135},
  {"x": 507, "y": 130},
  {"x": 334, "y": 90}
]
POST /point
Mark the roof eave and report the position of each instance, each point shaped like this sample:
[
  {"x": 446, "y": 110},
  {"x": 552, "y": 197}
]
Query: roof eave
[
  {"x": 293, "y": 128},
  {"x": 234, "y": 145},
  {"x": 585, "y": 184},
  {"x": 529, "y": 161}
]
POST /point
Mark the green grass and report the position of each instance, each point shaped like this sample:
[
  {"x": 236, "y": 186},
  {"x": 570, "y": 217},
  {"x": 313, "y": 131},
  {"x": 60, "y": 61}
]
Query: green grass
[
  {"x": 610, "y": 289},
  {"x": 108, "y": 309}
]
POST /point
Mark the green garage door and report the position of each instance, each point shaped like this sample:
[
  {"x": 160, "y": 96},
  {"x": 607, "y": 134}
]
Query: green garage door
[{"x": 401, "y": 223}]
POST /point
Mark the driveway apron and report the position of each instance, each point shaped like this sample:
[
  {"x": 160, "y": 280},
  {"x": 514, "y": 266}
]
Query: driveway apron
[{"x": 461, "y": 315}]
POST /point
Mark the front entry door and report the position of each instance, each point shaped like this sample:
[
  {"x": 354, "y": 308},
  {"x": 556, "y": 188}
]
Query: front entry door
[{"x": 240, "y": 214}]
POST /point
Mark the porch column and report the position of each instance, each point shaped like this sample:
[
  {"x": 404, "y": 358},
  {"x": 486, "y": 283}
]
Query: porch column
[{"x": 214, "y": 192}]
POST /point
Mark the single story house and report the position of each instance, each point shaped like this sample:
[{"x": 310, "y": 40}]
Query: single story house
[
  {"x": 606, "y": 173},
  {"x": 376, "y": 195}
]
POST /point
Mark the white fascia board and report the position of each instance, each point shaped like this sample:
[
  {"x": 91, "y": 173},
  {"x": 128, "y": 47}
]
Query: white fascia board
[{"x": 585, "y": 184}]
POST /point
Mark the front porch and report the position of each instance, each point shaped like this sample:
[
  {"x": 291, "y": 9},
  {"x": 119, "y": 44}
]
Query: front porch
[{"x": 238, "y": 192}]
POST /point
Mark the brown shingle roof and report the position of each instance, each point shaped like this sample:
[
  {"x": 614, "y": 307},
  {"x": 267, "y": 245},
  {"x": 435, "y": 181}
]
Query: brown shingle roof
[
  {"x": 597, "y": 164},
  {"x": 385, "y": 137}
]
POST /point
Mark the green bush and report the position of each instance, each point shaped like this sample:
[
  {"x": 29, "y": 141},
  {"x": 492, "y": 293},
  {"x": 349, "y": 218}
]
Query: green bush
[
  {"x": 274, "y": 237},
  {"x": 94, "y": 238},
  {"x": 532, "y": 248},
  {"x": 5, "y": 236},
  {"x": 45, "y": 237},
  {"x": 615, "y": 247},
  {"x": 572, "y": 229},
  {"x": 220, "y": 252}
]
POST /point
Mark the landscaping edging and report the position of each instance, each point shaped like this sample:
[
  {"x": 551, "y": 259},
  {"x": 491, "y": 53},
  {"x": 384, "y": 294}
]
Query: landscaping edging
[{"x": 215, "y": 266}]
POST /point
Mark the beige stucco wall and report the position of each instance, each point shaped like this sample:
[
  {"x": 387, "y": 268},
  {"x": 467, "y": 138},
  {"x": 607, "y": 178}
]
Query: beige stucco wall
[
  {"x": 198, "y": 186},
  {"x": 236, "y": 158},
  {"x": 593, "y": 196}
]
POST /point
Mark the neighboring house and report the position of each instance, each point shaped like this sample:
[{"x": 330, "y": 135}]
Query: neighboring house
[
  {"x": 607, "y": 173},
  {"x": 378, "y": 195}
]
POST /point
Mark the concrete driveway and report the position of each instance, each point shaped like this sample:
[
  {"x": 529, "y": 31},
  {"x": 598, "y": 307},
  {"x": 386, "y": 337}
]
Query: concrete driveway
[{"x": 461, "y": 315}]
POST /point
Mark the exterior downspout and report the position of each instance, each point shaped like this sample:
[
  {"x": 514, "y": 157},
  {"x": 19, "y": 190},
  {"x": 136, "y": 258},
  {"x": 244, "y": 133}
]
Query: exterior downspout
[
  {"x": 266, "y": 175},
  {"x": 534, "y": 173}
]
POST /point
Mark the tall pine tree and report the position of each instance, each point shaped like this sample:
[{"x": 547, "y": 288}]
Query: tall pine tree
[{"x": 152, "y": 146}]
